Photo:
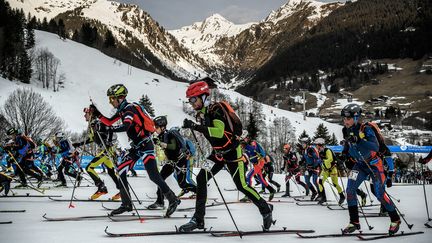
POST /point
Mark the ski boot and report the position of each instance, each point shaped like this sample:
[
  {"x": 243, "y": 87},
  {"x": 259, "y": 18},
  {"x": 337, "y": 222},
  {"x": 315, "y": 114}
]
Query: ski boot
[
  {"x": 101, "y": 191},
  {"x": 271, "y": 196},
  {"x": 156, "y": 205},
  {"x": 245, "y": 199},
  {"x": 278, "y": 188},
  {"x": 394, "y": 227},
  {"x": 268, "y": 219},
  {"x": 116, "y": 197},
  {"x": 194, "y": 223},
  {"x": 287, "y": 194},
  {"x": 322, "y": 198},
  {"x": 341, "y": 198},
  {"x": 314, "y": 194},
  {"x": 351, "y": 227},
  {"x": 121, "y": 209},
  {"x": 262, "y": 191},
  {"x": 22, "y": 185},
  {"x": 173, "y": 203}
]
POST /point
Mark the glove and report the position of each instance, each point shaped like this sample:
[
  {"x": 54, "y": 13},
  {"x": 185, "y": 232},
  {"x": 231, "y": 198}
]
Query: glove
[
  {"x": 95, "y": 110},
  {"x": 389, "y": 181},
  {"x": 353, "y": 139},
  {"x": 188, "y": 124},
  {"x": 156, "y": 140}
]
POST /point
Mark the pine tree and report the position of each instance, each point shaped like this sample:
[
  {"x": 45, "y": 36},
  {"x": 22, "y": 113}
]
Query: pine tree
[
  {"x": 30, "y": 38},
  {"x": 61, "y": 29},
  {"x": 109, "y": 40},
  {"x": 252, "y": 127},
  {"x": 146, "y": 102},
  {"x": 303, "y": 135},
  {"x": 333, "y": 140},
  {"x": 322, "y": 132},
  {"x": 25, "y": 70}
]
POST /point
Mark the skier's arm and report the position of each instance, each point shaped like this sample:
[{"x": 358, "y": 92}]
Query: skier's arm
[
  {"x": 328, "y": 159},
  {"x": 216, "y": 131}
]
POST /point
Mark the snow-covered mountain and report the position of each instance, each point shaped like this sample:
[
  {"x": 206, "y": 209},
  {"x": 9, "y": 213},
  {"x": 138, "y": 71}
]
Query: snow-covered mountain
[
  {"x": 132, "y": 27},
  {"x": 200, "y": 37},
  {"x": 91, "y": 77}
]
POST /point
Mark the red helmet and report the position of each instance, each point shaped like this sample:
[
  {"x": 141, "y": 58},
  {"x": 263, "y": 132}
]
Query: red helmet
[
  {"x": 287, "y": 147},
  {"x": 197, "y": 89}
]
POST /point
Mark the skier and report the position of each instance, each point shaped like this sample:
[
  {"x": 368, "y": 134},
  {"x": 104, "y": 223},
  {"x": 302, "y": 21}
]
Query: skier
[
  {"x": 256, "y": 156},
  {"x": 177, "y": 154},
  {"x": 139, "y": 127},
  {"x": 269, "y": 171},
  {"x": 22, "y": 147},
  {"x": 69, "y": 156},
  {"x": 328, "y": 169},
  {"x": 363, "y": 146},
  {"x": 105, "y": 140},
  {"x": 313, "y": 164},
  {"x": 221, "y": 127},
  {"x": 44, "y": 153},
  {"x": 292, "y": 168}
]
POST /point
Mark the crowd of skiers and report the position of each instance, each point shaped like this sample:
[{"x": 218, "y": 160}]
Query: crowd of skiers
[{"x": 364, "y": 157}]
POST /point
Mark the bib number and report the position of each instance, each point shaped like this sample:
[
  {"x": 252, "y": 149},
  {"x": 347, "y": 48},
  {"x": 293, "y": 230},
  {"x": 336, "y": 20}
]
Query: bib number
[{"x": 353, "y": 175}]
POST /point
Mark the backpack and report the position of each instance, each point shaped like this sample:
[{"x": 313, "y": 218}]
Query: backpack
[
  {"x": 146, "y": 121},
  {"x": 234, "y": 124},
  {"x": 383, "y": 149}
]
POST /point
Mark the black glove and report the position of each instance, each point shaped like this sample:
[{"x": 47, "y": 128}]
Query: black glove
[
  {"x": 189, "y": 124},
  {"x": 95, "y": 110},
  {"x": 353, "y": 139},
  {"x": 389, "y": 181},
  {"x": 156, "y": 140}
]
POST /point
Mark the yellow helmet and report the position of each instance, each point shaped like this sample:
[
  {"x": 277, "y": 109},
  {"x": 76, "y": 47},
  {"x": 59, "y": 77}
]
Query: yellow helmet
[{"x": 117, "y": 90}]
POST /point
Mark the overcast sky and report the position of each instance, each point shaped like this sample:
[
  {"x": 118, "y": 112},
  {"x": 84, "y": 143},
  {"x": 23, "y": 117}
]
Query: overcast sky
[{"x": 173, "y": 14}]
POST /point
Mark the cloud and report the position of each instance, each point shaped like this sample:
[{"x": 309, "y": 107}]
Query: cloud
[{"x": 241, "y": 14}]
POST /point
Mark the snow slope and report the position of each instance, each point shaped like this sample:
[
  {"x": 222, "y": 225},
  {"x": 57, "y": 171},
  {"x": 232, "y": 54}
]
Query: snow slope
[
  {"x": 30, "y": 226},
  {"x": 89, "y": 73}
]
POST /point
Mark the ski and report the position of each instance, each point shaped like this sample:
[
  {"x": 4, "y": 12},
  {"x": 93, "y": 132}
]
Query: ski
[
  {"x": 230, "y": 190},
  {"x": 158, "y": 233},
  {"x": 374, "y": 215},
  {"x": 214, "y": 204},
  {"x": 88, "y": 200},
  {"x": 5, "y": 222},
  {"x": 361, "y": 237},
  {"x": 78, "y": 218},
  {"x": 259, "y": 232},
  {"x": 12, "y": 211},
  {"x": 28, "y": 195},
  {"x": 343, "y": 207},
  {"x": 428, "y": 225},
  {"x": 339, "y": 235},
  {"x": 150, "y": 217}
]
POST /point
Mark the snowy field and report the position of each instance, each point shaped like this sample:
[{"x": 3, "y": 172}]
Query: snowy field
[{"x": 31, "y": 227}]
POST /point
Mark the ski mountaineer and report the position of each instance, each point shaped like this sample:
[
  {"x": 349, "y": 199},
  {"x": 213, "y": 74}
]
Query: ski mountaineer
[
  {"x": 22, "y": 147},
  {"x": 69, "y": 156},
  {"x": 256, "y": 156},
  {"x": 177, "y": 154},
  {"x": 139, "y": 128},
  {"x": 105, "y": 140},
  {"x": 269, "y": 171},
  {"x": 292, "y": 169},
  {"x": 216, "y": 123},
  {"x": 349, "y": 163},
  {"x": 313, "y": 164},
  {"x": 364, "y": 148},
  {"x": 44, "y": 154},
  {"x": 328, "y": 169}
]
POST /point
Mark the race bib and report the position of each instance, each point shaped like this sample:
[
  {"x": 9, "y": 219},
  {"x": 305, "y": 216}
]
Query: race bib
[
  {"x": 306, "y": 173},
  {"x": 353, "y": 175}
]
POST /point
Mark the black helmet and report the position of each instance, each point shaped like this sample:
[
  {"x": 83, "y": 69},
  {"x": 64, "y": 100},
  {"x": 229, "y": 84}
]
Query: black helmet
[
  {"x": 160, "y": 121},
  {"x": 12, "y": 131},
  {"x": 351, "y": 110},
  {"x": 117, "y": 90}
]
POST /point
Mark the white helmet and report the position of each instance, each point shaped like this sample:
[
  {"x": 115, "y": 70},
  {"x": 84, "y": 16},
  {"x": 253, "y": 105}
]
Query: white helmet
[
  {"x": 319, "y": 141},
  {"x": 59, "y": 135},
  {"x": 245, "y": 133}
]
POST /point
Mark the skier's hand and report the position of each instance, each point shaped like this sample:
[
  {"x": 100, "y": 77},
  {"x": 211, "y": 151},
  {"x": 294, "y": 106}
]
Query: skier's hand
[
  {"x": 353, "y": 139},
  {"x": 188, "y": 124}
]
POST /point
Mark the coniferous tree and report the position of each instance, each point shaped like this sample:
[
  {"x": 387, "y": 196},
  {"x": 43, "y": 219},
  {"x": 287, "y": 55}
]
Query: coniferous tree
[
  {"x": 303, "y": 135},
  {"x": 44, "y": 25},
  {"x": 252, "y": 127},
  {"x": 52, "y": 26},
  {"x": 109, "y": 40},
  {"x": 333, "y": 140},
  {"x": 146, "y": 102},
  {"x": 322, "y": 132}
]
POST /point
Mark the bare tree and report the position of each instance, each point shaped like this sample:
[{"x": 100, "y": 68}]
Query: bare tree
[
  {"x": 27, "y": 110},
  {"x": 46, "y": 69}
]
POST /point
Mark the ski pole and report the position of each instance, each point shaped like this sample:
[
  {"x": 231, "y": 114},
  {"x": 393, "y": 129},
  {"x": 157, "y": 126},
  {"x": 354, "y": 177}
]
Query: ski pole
[
  {"x": 367, "y": 189},
  {"x": 217, "y": 186},
  {"x": 120, "y": 179},
  {"x": 397, "y": 209},
  {"x": 295, "y": 183},
  {"x": 364, "y": 215},
  {"x": 30, "y": 185},
  {"x": 76, "y": 182},
  {"x": 424, "y": 192}
]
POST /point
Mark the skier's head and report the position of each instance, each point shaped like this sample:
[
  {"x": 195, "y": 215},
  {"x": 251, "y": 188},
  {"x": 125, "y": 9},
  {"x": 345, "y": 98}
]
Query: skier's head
[
  {"x": 13, "y": 132},
  {"x": 351, "y": 114},
  {"x": 117, "y": 94},
  {"x": 160, "y": 124},
  {"x": 286, "y": 148},
  {"x": 304, "y": 142},
  {"x": 198, "y": 95},
  {"x": 87, "y": 113},
  {"x": 319, "y": 142}
]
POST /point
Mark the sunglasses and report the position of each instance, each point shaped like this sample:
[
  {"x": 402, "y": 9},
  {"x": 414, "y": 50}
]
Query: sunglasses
[{"x": 192, "y": 100}]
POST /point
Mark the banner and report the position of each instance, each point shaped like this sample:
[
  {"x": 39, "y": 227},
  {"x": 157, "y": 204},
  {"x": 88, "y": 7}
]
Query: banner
[{"x": 395, "y": 149}]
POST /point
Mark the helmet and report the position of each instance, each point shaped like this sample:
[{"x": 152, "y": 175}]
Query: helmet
[
  {"x": 304, "y": 140},
  {"x": 59, "y": 135},
  {"x": 319, "y": 141},
  {"x": 351, "y": 110},
  {"x": 245, "y": 134},
  {"x": 287, "y": 147},
  {"x": 160, "y": 121},
  {"x": 197, "y": 89},
  {"x": 117, "y": 90},
  {"x": 12, "y": 131}
]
